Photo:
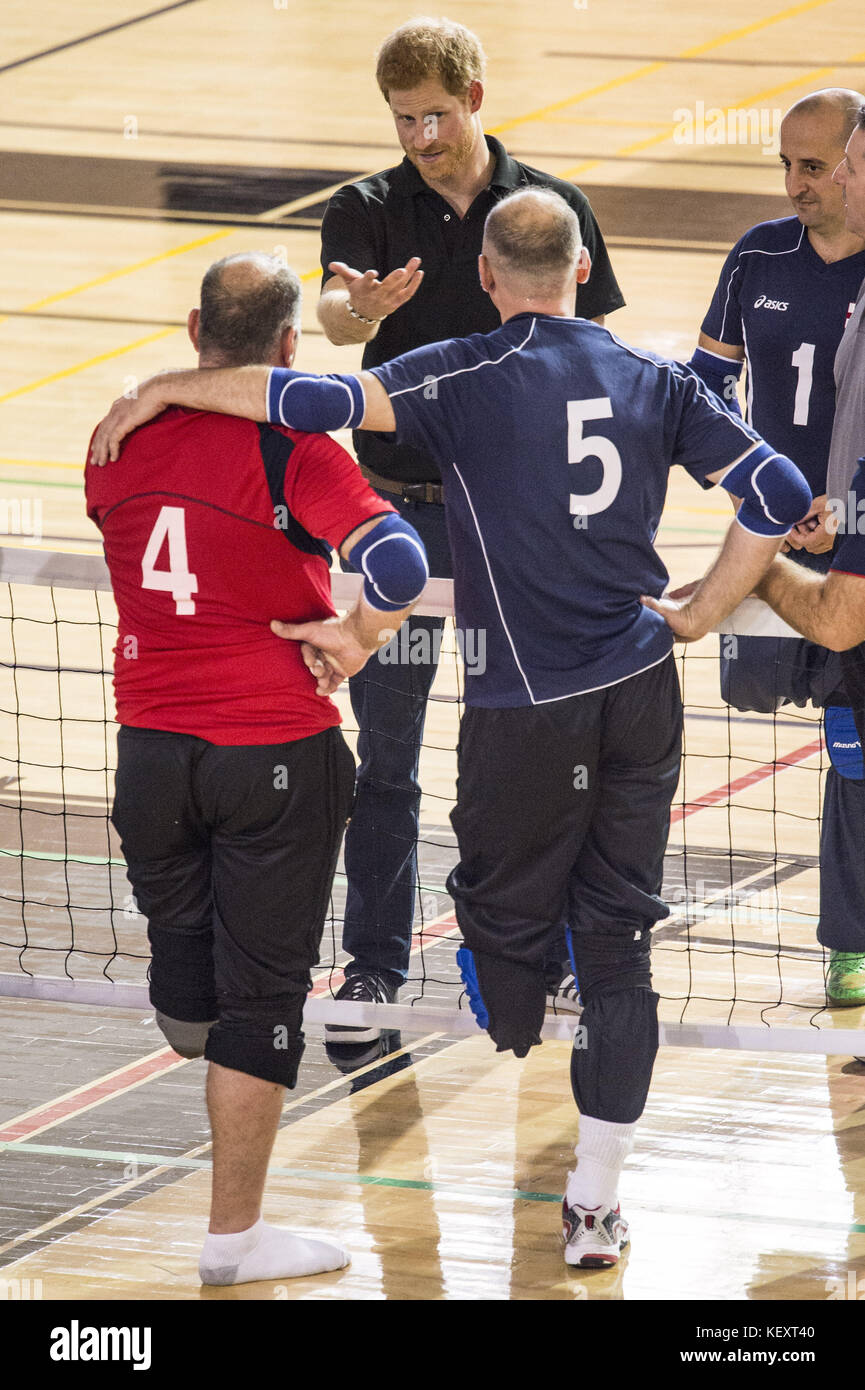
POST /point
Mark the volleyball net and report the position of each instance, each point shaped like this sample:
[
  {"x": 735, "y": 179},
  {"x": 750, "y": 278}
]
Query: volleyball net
[{"x": 736, "y": 963}]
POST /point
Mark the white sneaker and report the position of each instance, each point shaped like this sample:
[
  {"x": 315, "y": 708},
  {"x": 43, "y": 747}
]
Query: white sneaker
[
  {"x": 565, "y": 998},
  {"x": 593, "y": 1239}
]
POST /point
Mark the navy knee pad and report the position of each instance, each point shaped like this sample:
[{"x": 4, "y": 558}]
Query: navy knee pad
[
  {"x": 616, "y": 1045},
  {"x": 611, "y": 962},
  {"x": 261, "y": 1037},
  {"x": 181, "y": 974}
]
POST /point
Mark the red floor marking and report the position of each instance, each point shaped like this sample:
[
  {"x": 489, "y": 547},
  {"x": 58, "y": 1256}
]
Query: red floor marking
[
  {"x": 758, "y": 775},
  {"x": 332, "y": 979},
  {"x": 102, "y": 1090},
  {"x": 99, "y": 1090}
]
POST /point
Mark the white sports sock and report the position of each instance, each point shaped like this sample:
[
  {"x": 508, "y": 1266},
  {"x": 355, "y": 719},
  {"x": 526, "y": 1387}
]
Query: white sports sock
[
  {"x": 601, "y": 1151},
  {"x": 266, "y": 1252}
]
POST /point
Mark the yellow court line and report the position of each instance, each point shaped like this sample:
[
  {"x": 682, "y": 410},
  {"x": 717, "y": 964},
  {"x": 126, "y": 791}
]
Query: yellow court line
[
  {"x": 91, "y": 362},
  {"x": 664, "y": 135},
  {"x": 40, "y": 463},
  {"x": 650, "y": 68},
  {"x": 125, "y": 270},
  {"x": 296, "y": 206},
  {"x": 307, "y": 201},
  {"x": 536, "y": 115}
]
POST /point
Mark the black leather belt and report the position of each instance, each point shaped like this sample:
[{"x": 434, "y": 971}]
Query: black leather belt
[{"x": 409, "y": 492}]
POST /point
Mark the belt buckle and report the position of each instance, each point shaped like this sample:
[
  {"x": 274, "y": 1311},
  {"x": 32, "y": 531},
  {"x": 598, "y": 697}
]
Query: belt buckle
[{"x": 431, "y": 493}]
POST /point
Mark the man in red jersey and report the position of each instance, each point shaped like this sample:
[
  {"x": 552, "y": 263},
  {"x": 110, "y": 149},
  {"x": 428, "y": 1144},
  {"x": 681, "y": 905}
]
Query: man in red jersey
[{"x": 234, "y": 782}]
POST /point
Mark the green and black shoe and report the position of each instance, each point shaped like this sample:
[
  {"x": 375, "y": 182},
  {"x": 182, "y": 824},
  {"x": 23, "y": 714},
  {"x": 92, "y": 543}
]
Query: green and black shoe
[{"x": 845, "y": 986}]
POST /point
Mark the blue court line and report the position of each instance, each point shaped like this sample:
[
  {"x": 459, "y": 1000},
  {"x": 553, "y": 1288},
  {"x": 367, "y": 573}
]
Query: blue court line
[{"x": 414, "y": 1185}]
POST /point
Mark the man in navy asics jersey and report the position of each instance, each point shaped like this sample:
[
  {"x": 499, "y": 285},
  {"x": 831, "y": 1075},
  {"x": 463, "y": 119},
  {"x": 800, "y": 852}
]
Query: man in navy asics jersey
[
  {"x": 784, "y": 296},
  {"x": 556, "y": 441},
  {"x": 234, "y": 782}
]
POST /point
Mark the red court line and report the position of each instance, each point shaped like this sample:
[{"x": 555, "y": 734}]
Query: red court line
[
  {"x": 741, "y": 783},
  {"x": 99, "y": 1090},
  {"x": 152, "y": 1066},
  {"x": 442, "y": 927}
]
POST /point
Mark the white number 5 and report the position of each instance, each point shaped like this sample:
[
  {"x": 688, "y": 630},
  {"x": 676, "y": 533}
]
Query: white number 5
[
  {"x": 581, "y": 447},
  {"x": 176, "y": 580}
]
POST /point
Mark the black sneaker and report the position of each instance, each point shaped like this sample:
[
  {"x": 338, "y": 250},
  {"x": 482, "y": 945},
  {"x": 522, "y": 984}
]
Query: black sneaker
[{"x": 361, "y": 989}]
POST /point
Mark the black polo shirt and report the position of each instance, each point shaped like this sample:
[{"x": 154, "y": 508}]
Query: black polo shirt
[{"x": 379, "y": 223}]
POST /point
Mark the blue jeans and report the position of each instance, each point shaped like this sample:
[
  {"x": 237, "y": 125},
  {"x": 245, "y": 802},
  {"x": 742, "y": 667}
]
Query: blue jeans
[{"x": 389, "y": 701}]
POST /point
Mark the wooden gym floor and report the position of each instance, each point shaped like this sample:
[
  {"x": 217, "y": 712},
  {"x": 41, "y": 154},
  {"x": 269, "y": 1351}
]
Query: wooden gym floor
[{"x": 138, "y": 147}]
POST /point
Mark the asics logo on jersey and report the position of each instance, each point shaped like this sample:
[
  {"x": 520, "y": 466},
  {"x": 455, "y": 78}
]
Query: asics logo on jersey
[{"x": 763, "y": 303}]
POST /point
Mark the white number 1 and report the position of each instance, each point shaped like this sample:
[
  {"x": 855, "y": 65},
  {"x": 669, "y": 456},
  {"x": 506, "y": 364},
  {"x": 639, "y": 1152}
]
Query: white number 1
[
  {"x": 176, "y": 580},
  {"x": 803, "y": 358}
]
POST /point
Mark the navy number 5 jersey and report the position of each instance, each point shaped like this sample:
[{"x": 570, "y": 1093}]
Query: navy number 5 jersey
[{"x": 555, "y": 442}]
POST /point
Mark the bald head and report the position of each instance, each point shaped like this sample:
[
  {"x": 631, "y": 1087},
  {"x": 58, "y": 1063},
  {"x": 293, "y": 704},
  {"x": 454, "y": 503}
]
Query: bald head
[
  {"x": 248, "y": 302},
  {"x": 532, "y": 242},
  {"x": 833, "y": 105}
]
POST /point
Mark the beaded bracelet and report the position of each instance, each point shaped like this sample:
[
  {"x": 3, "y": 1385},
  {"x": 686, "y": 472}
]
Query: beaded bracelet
[{"x": 360, "y": 317}]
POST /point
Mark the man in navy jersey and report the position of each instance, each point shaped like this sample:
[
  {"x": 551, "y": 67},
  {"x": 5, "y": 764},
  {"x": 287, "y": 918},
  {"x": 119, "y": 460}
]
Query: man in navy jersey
[
  {"x": 555, "y": 441},
  {"x": 784, "y": 296},
  {"x": 234, "y": 782},
  {"x": 399, "y": 256}
]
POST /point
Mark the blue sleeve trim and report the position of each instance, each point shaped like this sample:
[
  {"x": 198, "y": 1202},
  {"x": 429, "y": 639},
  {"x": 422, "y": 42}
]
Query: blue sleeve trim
[
  {"x": 720, "y": 375},
  {"x": 392, "y": 559},
  {"x": 315, "y": 404}
]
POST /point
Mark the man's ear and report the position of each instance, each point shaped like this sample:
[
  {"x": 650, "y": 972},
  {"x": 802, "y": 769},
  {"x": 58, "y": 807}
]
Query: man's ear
[
  {"x": 485, "y": 271},
  {"x": 584, "y": 266},
  {"x": 475, "y": 95},
  {"x": 289, "y": 345},
  {"x": 192, "y": 327}
]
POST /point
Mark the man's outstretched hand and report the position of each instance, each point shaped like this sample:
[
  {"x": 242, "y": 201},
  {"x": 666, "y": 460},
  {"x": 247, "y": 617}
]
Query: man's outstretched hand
[
  {"x": 126, "y": 414},
  {"x": 375, "y": 298}
]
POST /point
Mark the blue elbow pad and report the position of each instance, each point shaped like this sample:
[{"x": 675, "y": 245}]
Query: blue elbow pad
[
  {"x": 720, "y": 374},
  {"x": 393, "y": 562},
  {"x": 315, "y": 404},
  {"x": 774, "y": 493}
]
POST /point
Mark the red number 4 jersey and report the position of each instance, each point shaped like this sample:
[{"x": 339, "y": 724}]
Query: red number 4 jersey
[{"x": 213, "y": 526}]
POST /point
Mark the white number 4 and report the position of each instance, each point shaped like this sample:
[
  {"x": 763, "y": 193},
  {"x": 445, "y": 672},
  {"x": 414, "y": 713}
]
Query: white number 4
[
  {"x": 597, "y": 446},
  {"x": 176, "y": 580}
]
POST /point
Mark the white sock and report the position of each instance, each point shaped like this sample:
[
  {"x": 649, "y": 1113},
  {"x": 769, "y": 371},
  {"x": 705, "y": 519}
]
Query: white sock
[
  {"x": 266, "y": 1252},
  {"x": 601, "y": 1151}
]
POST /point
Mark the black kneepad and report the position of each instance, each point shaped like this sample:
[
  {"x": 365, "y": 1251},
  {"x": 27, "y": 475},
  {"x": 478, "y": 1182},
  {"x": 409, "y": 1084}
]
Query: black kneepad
[{"x": 259, "y": 1037}]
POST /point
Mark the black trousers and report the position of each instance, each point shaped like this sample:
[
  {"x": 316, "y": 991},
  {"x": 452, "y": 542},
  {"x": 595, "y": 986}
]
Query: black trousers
[
  {"x": 563, "y": 813},
  {"x": 231, "y": 854}
]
